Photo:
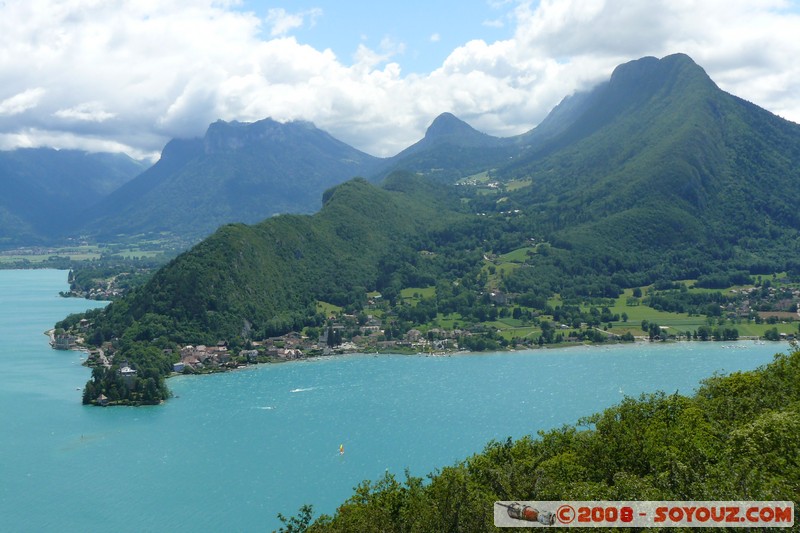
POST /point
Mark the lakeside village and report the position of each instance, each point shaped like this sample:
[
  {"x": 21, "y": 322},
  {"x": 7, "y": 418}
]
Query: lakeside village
[
  {"x": 221, "y": 357},
  {"x": 288, "y": 347},
  {"x": 366, "y": 333}
]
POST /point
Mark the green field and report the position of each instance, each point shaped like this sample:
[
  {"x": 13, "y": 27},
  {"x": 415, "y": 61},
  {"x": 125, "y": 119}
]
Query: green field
[
  {"x": 510, "y": 328},
  {"x": 448, "y": 321},
  {"x": 137, "y": 247},
  {"x": 514, "y": 185},
  {"x": 135, "y": 253},
  {"x": 520, "y": 255},
  {"x": 682, "y": 322},
  {"x": 413, "y": 295},
  {"x": 40, "y": 255},
  {"x": 328, "y": 309}
]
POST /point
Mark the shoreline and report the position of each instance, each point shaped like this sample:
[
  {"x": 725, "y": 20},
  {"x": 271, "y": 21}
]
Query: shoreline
[
  {"x": 737, "y": 344},
  {"x": 639, "y": 343}
]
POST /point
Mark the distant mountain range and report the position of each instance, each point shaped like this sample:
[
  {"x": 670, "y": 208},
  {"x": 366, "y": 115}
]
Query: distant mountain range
[
  {"x": 658, "y": 145},
  {"x": 46, "y": 190},
  {"x": 654, "y": 175},
  {"x": 236, "y": 173},
  {"x": 246, "y": 172},
  {"x": 450, "y": 150}
]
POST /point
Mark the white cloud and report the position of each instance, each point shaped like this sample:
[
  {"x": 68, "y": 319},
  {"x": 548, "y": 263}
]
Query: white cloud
[
  {"x": 435, "y": 38},
  {"x": 87, "y": 112},
  {"x": 740, "y": 43},
  {"x": 282, "y": 22},
  {"x": 131, "y": 74},
  {"x": 36, "y": 138},
  {"x": 21, "y": 102}
]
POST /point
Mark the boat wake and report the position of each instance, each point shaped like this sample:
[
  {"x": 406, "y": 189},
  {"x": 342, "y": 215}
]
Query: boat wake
[{"x": 302, "y": 390}]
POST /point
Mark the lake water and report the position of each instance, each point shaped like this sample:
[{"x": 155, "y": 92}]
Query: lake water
[{"x": 232, "y": 450}]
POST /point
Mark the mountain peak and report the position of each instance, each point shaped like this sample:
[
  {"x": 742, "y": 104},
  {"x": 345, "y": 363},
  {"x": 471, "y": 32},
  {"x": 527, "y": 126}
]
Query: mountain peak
[
  {"x": 651, "y": 71},
  {"x": 447, "y": 124},
  {"x": 452, "y": 130},
  {"x": 233, "y": 136}
]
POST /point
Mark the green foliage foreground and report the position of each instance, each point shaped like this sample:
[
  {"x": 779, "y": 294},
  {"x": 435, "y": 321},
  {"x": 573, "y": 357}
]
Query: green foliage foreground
[{"x": 737, "y": 438}]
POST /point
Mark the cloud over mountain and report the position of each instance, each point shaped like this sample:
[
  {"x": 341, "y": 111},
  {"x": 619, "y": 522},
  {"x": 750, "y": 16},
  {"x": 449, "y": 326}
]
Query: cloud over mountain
[{"x": 129, "y": 75}]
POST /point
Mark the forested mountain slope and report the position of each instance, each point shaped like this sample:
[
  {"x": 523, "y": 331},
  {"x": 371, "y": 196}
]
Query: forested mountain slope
[
  {"x": 659, "y": 172},
  {"x": 262, "y": 280},
  {"x": 450, "y": 150},
  {"x": 46, "y": 190},
  {"x": 238, "y": 172},
  {"x": 660, "y": 148}
]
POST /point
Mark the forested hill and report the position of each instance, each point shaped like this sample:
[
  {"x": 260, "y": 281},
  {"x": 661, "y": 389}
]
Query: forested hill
[
  {"x": 662, "y": 149},
  {"x": 262, "y": 280},
  {"x": 735, "y": 439}
]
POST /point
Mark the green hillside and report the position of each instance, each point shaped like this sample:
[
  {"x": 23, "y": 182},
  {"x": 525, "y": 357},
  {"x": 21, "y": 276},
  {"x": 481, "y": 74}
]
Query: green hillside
[
  {"x": 247, "y": 283},
  {"x": 662, "y": 149},
  {"x": 263, "y": 280},
  {"x": 657, "y": 174}
]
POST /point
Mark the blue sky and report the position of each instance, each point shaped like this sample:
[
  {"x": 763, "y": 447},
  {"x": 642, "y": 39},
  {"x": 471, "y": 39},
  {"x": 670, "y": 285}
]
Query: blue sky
[{"x": 129, "y": 75}]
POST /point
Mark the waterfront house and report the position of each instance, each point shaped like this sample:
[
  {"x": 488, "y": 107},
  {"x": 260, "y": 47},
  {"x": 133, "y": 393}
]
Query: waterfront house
[
  {"x": 251, "y": 355},
  {"x": 128, "y": 376},
  {"x": 63, "y": 342},
  {"x": 413, "y": 335}
]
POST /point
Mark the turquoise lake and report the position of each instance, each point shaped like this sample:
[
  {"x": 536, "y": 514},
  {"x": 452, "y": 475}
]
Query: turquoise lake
[{"x": 232, "y": 450}]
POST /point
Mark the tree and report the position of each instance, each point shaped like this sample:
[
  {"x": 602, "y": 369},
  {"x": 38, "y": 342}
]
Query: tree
[
  {"x": 330, "y": 339},
  {"x": 298, "y": 523},
  {"x": 89, "y": 393},
  {"x": 151, "y": 394}
]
